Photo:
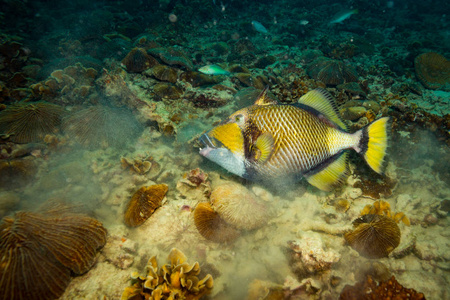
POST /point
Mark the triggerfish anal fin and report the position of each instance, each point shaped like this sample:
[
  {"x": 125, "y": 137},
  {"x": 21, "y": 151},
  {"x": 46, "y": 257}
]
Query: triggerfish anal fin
[
  {"x": 264, "y": 99},
  {"x": 322, "y": 101},
  {"x": 331, "y": 175},
  {"x": 263, "y": 147}
]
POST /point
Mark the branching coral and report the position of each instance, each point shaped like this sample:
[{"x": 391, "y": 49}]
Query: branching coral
[
  {"x": 38, "y": 251},
  {"x": 175, "y": 280},
  {"x": 30, "y": 122}
]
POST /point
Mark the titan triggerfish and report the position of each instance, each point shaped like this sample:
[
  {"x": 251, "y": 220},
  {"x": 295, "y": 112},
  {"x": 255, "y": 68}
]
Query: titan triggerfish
[{"x": 268, "y": 141}]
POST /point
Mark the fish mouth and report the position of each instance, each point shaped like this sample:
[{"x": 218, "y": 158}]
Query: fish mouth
[{"x": 206, "y": 144}]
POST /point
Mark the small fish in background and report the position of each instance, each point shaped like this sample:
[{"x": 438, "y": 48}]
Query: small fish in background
[
  {"x": 304, "y": 22},
  {"x": 259, "y": 27},
  {"x": 343, "y": 15},
  {"x": 213, "y": 70},
  {"x": 269, "y": 141}
]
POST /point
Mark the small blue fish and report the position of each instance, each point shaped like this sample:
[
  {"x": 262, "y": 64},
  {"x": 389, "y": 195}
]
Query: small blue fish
[
  {"x": 259, "y": 27},
  {"x": 343, "y": 15},
  {"x": 213, "y": 70}
]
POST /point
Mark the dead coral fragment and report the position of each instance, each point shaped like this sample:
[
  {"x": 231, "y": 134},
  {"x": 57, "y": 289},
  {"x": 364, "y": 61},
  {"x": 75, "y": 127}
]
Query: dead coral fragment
[
  {"x": 433, "y": 70},
  {"x": 30, "y": 122},
  {"x": 211, "y": 226},
  {"x": 38, "y": 251},
  {"x": 369, "y": 289},
  {"x": 175, "y": 280},
  {"x": 375, "y": 236},
  {"x": 143, "y": 203},
  {"x": 137, "y": 61}
]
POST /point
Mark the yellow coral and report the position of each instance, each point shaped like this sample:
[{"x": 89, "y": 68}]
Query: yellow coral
[
  {"x": 383, "y": 208},
  {"x": 175, "y": 280}
]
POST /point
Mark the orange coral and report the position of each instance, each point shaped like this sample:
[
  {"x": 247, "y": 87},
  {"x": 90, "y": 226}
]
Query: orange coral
[
  {"x": 38, "y": 251},
  {"x": 381, "y": 207},
  {"x": 143, "y": 203},
  {"x": 433, "y": 70},
  {"x": 368, "y": 289}
]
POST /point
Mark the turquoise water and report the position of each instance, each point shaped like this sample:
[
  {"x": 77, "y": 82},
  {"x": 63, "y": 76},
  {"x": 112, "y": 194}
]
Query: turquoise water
[{"x": 101, "y": 98}]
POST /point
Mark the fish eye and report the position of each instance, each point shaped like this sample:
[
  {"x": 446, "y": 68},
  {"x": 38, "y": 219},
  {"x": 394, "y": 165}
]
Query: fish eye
[{"x": 238, "y": 118}]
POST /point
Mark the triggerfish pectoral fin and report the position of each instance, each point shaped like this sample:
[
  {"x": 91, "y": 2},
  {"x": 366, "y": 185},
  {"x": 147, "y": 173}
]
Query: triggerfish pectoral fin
[
  {"x": 263, "y": 147},
  {"x": 330, "y": 176}
]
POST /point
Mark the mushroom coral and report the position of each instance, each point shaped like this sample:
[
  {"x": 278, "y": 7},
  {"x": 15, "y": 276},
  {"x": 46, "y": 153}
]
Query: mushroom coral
[
  {"x": 143, "y": 203},
  {"x": 175, "y": 280},
  {"x": 30, "y": 122},
  {"x": 39, "y": 250},
  {"x": 331, "y": 72},
  {"x": 375, "y": 236}
]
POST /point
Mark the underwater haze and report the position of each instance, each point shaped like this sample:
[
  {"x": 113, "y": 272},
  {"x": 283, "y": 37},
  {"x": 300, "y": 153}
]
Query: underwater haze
[{"x": 224, "y": 149}]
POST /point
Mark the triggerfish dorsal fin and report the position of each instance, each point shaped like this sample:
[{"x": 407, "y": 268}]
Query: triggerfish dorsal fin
[
  {"x": 322, "y": 101},
  {"x": 263, "y": 147},
  {"x": 264, "y": 99},
  {"x": 330, "y": 176}
]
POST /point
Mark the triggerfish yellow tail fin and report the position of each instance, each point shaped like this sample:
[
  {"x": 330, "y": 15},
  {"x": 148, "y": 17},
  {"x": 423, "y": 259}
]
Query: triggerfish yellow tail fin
[{"x": 374, "y": 142}]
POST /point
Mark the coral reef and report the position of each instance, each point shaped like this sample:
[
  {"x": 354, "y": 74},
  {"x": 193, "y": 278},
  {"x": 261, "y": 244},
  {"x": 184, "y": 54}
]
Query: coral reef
[
  {"x": 143, "y": 203},
  {"x": 433, "y": 71},
  {"x": 374, "y": 185},
  {"x": 175, "y": 280},
  {"x": 40, "y": 250},
  {"x": 137, "y": 61},
  {"x": 211, "y": 226},
  {"x": 374, "y": 236},
  {"x": 331, "y": 72},
  {"x": 101, "y": 127},
  {"x": 369, "y": 289},
  {"x": 239, "y": 206},
  {"x": 30, "y": 122}
]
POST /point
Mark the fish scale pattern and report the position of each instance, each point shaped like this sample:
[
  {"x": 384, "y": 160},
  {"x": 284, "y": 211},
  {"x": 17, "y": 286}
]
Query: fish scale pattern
[{"x": 300, "y": 139}]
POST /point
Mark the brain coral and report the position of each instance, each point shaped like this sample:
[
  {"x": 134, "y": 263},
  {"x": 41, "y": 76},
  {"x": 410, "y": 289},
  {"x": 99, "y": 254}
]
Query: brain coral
[
  {"x": 38, "y": 251},
  {"x": 433, "y": 70},
  {"x": 331, "y": 71}
]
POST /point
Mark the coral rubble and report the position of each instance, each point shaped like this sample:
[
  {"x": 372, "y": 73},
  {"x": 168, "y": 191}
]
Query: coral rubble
[{"x": 369, "y": 289}]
